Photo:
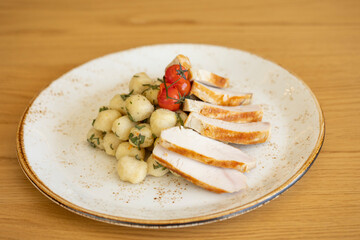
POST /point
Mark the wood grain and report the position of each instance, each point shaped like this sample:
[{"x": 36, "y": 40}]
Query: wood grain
[{"x": 318, "y": 40}]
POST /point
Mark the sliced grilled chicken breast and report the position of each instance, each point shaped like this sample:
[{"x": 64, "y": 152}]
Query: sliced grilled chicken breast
[
  {"x": 208, "y": 78},
  {"x": 219, "y": 180},
  {"x": 240, "y": 114},
  {"x": 240, "y": 133},
  {"x": 191, "y": 144},
  {"x": 180, "y": 59},
  {"x": 219, "y": 96}
]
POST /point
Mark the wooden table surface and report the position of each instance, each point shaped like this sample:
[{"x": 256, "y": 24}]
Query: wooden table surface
[{"x": 318, "y": 40}]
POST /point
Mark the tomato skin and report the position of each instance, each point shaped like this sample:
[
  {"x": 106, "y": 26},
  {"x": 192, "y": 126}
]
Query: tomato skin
[
  {"x": 183, "y": 86},
  {"x": 168, "y": 103},
  {"x": 171, "y": 73}
]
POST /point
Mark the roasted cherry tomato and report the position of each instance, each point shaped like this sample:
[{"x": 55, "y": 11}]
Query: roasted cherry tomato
[
  {"x": 174, "y": 72},
  {"x": 168, "y": 103},
  {"x": 183, "y": 86}
]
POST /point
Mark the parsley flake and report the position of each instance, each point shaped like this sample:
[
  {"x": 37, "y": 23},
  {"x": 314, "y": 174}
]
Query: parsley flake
[
  {"x": 179, "y": 119},
  {"x": 103, "y": 109},
  {"x": 158, "y": 165},
  {"x": 137, "y": 140},
  {"x": 91, "y": 140},
  {"x": 150, "y": 86},
  {"x": 129, "y": 115},
  {"x": 139, "y": 127},
  {"x": 125, "y": 96}
]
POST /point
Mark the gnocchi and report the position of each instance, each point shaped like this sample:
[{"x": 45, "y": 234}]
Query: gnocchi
[
  {"x": 152, "y": 91},
  {"x": 139, "y": 82},
  {"x": 141, "y": 136},
  {"x": 122, "y": 126},
  {"x": 95, "y": 138},
  {"x": 111, "y": 142},
  {"x": 131, "y": 170},
  {"x": 155, "y": 168},
  {"x": 130, "y": 123},
  {"x": 126, "y": 149},
  {"x": 105, "y": 119},
  {"x": 162, "y": 119},
  {"x": 118, "y": 103},
  {"x": 138, "y": 107}
]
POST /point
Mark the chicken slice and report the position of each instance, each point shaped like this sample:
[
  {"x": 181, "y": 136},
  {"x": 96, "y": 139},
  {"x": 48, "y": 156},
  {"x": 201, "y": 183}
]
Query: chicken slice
[
  {"x": 191, "y": 144},
  {"x": 240, "y": 133},
  {"x": 219, "y": 180},
  {"x": 240, "y": 114},
  {"x": 180, "y": 59},
  {"x": 208, "y": 78},
  {"x": 223, "y": 97}
]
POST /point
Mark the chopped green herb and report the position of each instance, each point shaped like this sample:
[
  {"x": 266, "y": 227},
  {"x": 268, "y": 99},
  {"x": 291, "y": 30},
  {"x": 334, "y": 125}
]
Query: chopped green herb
[
  {"x": 150, "y": 86},
  {"x": 131, "y": 135},
  {"x": 154, "y": 136},
  {"x": 135, "y": 76},
  {"x": 103, "y": 109},
  {"x": 179, "y": 120},
  {"x": 95, "y": 138},
  {"x": 91, "y": 140},
  {"x": 129, "y": 115},
  {"x": 137, "y": 140},
  {"x": 140, "y": 127},
  {"x": 130, "y": 102},
  {"x": 125, "y": 96},
  {"x": 111, "y": 147},
  {"x": 158, "y": 166},
  {"x": 137, "y": 157},
  {"x": 181, "y": 72},
  {"x": 91, "y": 143},
  {"x": 142, "y": 139},
  {"x": 93, "y": 122}
]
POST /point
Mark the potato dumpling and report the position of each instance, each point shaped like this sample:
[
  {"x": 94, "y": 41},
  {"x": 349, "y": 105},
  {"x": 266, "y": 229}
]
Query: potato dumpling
[
  {"x": 122, "y": 126},
  {"x": 155, "y": 168},
  {"x": 95, "y": 138},
  {"x": 141, "y": 136},
  {"x": 131, "y": 170},
  {"x": 162, "y": 119},
  {"x": 138, "y": 107},
  {"x": 118, "y": 103},
  {"x": 105, "y": 119},
  {"x": 181, "y": 117},
  {"x": 139, "y": 82},
  {"x": 152, "y": 91},
  {"x": 126, "y": 149},
  {"x": 111, "y": 142}
]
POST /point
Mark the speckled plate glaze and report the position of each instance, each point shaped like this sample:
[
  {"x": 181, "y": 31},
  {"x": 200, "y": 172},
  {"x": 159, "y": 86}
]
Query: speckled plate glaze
[{"x": 55, "y": 156}]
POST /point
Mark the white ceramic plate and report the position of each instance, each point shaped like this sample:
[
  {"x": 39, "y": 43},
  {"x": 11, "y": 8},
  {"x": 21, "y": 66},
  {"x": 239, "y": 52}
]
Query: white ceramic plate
[{"x": 54, "y": 154}]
